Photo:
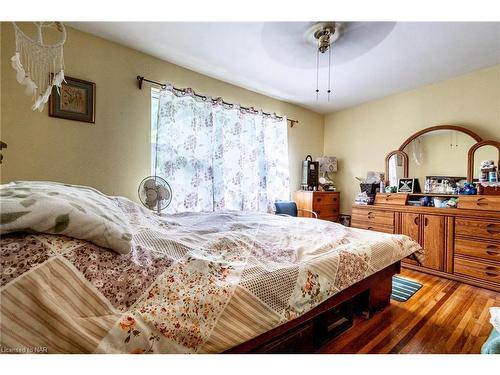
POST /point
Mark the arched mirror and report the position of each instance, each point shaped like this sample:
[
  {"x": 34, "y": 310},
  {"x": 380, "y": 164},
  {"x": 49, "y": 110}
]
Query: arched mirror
[
  {"x": 481, "y": 151},
  {"x": 396, "y": 167},
  {"x": 439, "y": 153}
]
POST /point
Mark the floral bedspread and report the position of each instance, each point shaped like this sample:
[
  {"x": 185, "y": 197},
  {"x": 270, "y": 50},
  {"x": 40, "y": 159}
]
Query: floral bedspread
[{"x": 194, "y": 283}]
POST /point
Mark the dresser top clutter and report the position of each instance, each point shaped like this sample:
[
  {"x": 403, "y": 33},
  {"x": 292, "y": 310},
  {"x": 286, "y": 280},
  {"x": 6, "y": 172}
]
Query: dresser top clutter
[{"x": 456, "y": 216}]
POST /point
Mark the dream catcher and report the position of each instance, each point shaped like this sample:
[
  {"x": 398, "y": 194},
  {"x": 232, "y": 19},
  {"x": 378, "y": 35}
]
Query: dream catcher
[
  {"x": 417, "y": 151},
  {"x": 39, "y": 65}
]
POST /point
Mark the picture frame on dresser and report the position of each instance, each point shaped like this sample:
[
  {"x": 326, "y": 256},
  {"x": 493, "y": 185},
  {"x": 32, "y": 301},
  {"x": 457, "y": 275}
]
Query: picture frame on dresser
[{"x": 407, "y": 185}]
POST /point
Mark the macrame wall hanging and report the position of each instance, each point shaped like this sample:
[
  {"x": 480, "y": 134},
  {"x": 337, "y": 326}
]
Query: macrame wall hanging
[{"x": 39, "y": 65}]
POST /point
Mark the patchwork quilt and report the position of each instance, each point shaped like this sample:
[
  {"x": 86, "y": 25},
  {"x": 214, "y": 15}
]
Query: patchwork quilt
[{"x": 192, "y": 283}]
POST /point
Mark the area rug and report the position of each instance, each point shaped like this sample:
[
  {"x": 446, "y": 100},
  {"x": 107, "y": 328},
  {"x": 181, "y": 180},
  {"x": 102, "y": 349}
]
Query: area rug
[{"x": 403, "y": 289}]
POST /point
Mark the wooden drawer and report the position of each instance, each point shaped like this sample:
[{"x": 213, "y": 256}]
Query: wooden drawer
[
  {"x": 374, "y": 216},
  {"x": 398, "y": 199},
  {"x": 477, "y": 269},
  {"x": 372, "y": 226},
  {"x": 329, "y": 218},
  {"x": 479, "y": 202},
  {"x": 298, "y": 341},
  {"x": 479, "y": 249},
  {"x": 325, "y": 199},
  {"x": 487, "y": 230},
  {"x": 327, "y": 211},
  {"x": 409, "y": 261}
]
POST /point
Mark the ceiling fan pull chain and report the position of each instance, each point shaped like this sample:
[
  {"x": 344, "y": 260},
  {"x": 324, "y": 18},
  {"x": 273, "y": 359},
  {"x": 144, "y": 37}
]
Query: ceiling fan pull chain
[
  {"x": 329, "y": 70},
  {"x": 317, "y": 75}
]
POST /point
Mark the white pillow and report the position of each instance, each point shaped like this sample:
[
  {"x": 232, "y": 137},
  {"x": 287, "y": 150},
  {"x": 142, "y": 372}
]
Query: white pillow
[{"x": 74, "y": 211}]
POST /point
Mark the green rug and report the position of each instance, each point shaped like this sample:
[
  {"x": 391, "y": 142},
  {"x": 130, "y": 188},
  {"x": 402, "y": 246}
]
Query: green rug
[{"x": 403, "y": 289}]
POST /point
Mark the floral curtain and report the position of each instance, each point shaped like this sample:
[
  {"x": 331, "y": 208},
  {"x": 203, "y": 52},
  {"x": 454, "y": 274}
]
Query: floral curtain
[{"x": 218, "y": 157}]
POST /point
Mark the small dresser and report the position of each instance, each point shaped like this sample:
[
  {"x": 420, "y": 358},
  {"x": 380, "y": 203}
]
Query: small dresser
[{"x": 325, "y": 203}]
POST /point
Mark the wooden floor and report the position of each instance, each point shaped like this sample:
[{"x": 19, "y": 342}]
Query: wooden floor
[{"x": 444, "y": 316}]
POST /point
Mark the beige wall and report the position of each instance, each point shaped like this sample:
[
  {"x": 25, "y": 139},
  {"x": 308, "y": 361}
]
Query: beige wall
[
  {"x": 361, "y": 136},
  {"x": 114, "y": 155}
]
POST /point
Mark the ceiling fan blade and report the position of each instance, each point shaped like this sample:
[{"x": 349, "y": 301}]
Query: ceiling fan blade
[{"x": 287, "y": 43}]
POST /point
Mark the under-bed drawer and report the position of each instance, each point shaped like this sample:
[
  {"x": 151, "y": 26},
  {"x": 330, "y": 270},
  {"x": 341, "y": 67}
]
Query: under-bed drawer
[
  {"x": 487, "y": 230},
  {"x": 478, "y": 249},
  {"x": 374, "y": 216},
  {"x": 298, "y": 341},
  {"x": 478, "y": 269}
]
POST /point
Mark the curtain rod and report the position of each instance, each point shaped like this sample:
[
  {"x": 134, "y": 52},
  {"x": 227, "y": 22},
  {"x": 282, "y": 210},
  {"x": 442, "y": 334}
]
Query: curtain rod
[{"x": 141, "y": 80}]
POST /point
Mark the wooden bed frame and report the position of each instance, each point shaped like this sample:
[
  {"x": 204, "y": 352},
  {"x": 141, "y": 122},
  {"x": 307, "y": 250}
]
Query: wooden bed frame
[{"x": 309, "y": 332}]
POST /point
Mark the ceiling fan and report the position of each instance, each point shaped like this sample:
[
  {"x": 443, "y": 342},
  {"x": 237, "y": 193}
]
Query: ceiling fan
[{"x": 302, "y": 44}]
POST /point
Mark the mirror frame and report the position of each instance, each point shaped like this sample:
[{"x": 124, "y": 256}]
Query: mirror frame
[
  {"x": 405, "y": 164},
  {"x": 472, "y": 151},
  {"x": 461, "y": 129},
  {"x": 400, "y": 150}
]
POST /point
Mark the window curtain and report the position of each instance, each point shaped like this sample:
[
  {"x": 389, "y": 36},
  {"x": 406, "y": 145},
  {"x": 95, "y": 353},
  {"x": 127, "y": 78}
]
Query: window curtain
[{"x": 218, "y": 157}]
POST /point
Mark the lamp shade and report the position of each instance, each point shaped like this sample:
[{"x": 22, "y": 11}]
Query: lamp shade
[{"x": 327, "y": 164}]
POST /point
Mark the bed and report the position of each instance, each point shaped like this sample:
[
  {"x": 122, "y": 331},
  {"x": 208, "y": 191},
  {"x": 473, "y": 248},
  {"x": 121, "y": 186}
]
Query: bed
[{"x": 189, "y": 283}]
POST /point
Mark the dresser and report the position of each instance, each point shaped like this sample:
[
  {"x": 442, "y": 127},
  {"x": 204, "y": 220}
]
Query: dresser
[
  {"x": 461, "y": 243},
  {"x": 325, "y": 204}
]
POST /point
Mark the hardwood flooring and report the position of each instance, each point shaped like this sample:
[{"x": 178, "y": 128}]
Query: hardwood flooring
[{"x": 444, "y": 316}]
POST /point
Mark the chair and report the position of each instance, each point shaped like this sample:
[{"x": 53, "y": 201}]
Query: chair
[{"x": 289, "y": 208}]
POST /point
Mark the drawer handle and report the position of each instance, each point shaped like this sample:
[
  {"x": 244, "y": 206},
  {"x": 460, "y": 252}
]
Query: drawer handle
[
  {"x": 416, "y": 220},
  {"x": 490, "y": 250},
  {"x": 426, "y": 221},
  {"x": 369, "y": 228},
  {"x": 491, "y": 274},
  {"x": 387, "y": 197},
  {"x": 480, "y": 202},
  {"x": 335, "y": 199},
  {"x": 491, "y": 229},
  {"x": 318, "y": 200}
]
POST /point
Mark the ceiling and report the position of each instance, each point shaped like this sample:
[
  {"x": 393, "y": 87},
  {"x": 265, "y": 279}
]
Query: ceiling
[{"x": 370, "y": 59}]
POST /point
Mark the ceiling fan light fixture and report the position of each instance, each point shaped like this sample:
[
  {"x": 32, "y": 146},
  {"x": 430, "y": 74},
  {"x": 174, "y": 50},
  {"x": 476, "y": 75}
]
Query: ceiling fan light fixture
[
  {"x": 323, "y": 34},
  {"x": 324, "y": 37}
]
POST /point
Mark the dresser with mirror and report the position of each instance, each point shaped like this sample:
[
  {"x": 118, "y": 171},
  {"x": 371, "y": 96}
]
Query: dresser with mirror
[{"x": 461, "y": 242}]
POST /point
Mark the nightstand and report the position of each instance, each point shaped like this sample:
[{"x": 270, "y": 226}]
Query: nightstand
[{"x": 326, "y": 204}]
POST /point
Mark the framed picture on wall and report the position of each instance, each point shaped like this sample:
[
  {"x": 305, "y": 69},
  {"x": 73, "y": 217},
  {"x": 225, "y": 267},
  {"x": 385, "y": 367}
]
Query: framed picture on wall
[{"x": 76, "y": 101}]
